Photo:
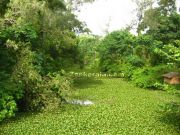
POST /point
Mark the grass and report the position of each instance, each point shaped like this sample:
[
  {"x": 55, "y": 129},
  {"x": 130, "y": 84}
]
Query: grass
[{"x": 119, "y": 109}]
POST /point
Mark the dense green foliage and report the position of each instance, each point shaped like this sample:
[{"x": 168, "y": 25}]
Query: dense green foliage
[
  {"x": 146, "y": 57},
  {"x": 113, "y": 48},
  {"x": 34, "y": 51},
  {"x": 39, "y": 46},
  {"x": 119, "y": 108},
  {"x": 88, "y": 52}
]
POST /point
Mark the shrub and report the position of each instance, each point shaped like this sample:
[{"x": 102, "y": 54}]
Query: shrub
[
  {"x": 113, "y": 48},
  {"x": 172, "y": 88},
  {"x": 127, "y": 70},
  {"x": 59, "y": 83},
  {"x": 8, "y": 96},
  {"x": 150, "y": 77},
  {"x": 135, "y": 61},
  {"x": 7, "y": 106},
  {"x": 39, "y": 92}
]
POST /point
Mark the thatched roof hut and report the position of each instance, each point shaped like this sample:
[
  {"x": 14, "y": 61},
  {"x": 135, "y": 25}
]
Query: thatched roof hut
[{"x": 172, "y": 78}]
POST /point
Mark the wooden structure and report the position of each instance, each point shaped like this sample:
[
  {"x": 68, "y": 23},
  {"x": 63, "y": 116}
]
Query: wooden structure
[{"x": 172, "y": 78}]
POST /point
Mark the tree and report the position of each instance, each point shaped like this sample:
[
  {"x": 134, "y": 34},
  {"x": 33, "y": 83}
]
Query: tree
[
  {"x": 142, "y": 6},
  {"x": 155, "y": 18},
  {"x": 3, "y": 6},
  {"x": 56, "y": 5},
  {"x": 37, "y": 41},
  {"x": 170, "y": 53},
  {"x": 74, "y": 4},
  {"x": 167, "y": 6},
  {"x": 87, "y": 46},
  {"x": 114, "y": 47}
]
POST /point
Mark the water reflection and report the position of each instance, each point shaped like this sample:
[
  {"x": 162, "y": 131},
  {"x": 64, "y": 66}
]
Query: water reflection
[{"x": 81, "y": 102}]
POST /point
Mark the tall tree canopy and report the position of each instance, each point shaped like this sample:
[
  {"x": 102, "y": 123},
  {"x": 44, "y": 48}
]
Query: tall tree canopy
[{"x": 37, "y": 42}]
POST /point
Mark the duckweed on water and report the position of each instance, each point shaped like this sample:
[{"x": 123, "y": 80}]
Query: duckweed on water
[{"x": 119, "y": 109}]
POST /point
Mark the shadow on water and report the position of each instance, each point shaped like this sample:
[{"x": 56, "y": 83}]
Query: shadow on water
[
  {"x": 80, "y": 83},
  {"x": 25, "y": 116},
  {"x": 19, "y": 117},
  {"x": 86, "y": 82},
  {"x": 171, "y": 114}
]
